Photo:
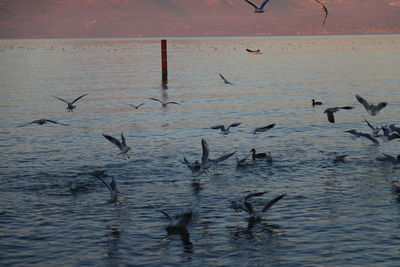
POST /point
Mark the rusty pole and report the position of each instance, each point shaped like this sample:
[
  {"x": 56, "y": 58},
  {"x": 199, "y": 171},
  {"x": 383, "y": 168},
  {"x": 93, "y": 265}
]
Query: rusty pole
[{"x": 164, "y": 64}]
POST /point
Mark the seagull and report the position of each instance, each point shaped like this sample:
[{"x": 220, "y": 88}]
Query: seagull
[
  {"x": 136, "y": 107},
  {"x": 226, "y": 131},
  {"x": 241, "y": 204},
  {"x": 269, "y": 158},
  {"x": 375, "y": 130},
  {"x": 316, "y": 103},
  {"x": 371, "y": 108},
  {"x": 255, "y": 215},
  {"x": 330, "y": 112},
  {"x": 164, "y": 104},
  {"x": 263, "y": 129},
  {"x": 257, "y": 155},
  {"x": 194, "y": 167},
  {"x": 71, "y": 106},
  {"x": 178, "y": 223},
  {"x": 206, "y": 163},
  {"x": 258, "y": 9},
  {"x": 253, "y": 51},
  {"x": 338, "y": 158},
  {"x": 121, "y": 145},
  {"x": 358, "y": 134},
  {"x": 241, "y": 162},
  {"x": 112, "y": 187},
  {"x": 388, "y": 135},
  {"x": 225, "y": 80},
  {"x": 43, "y": 121},
  {"x": 323, "y": 9}
]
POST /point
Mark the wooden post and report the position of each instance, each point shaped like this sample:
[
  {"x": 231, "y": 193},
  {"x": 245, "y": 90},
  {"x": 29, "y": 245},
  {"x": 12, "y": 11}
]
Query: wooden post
[{"x": 164, "y": 64}]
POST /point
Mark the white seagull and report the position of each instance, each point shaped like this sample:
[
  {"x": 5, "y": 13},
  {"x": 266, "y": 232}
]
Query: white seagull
[
  {"x": 225, "y": 131},
  {"x": 41, "y": 122},
  {"x": 258, "y": 9},
  {"x": 263, "y": 129},
  {"x": 164, "y": 104},
  {"x": 371, "y": 108},
  {"x": 359, "y": 134},
  {"x": 112, "y": 187},
  {"x": 225, "y": 80},
  {"x": 121, "y": 145},
  {"x": 241, "y": 204},
  {"x": 255, "y": 215},
  {"x": 71, "y": 106},
  {"x": 329, "y": 112}
]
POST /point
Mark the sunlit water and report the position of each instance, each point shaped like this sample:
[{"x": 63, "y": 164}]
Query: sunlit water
[{"x": 333, "y": 214}]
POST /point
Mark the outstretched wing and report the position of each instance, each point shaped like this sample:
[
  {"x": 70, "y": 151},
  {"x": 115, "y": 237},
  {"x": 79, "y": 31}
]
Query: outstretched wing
[
  {"x": 155, "y": 99},
  {"x": 172, "y": 103},
  {"x": 363, "y": 102},
  {"x": 184, "y": 218},
  {"x": 113, "y": 140},
  {"x": 57, "y": 122},
  {"x": 381, "y": 105},
  {"x": 255, "y": 195},
  {"x": 104, "y": 182},
  {"x": 221, "y": 127},
  {"x": 263, "y": 4},
  {"x": 79, "y": 98},
  {"x": 222, "y": 77},
  {"x": 272, "y": 202},
  {"x": 331, "y": 117},
  {"x": 369, "y": 124},
  {"x": 123, "y": 139},
  {"x": 235, "y": 124},
  {"x": 264, "y": 129},
  {"x": 369, "y": 137},
  {"x": 206, "y": 151},
  {"x": 224, "y": 157},
  {"x": 26, "y": 124},
  {"x": 251, "y": 4},
  {"x": 166, "y": 215},
  {"x": 65, "y": 101},
  {"x": 324, "y": 9}
]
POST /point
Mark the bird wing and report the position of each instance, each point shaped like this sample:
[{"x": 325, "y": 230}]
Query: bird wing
[
  {"x": 249, "y": 207},
  {"x": 369, "y": 124},
  {"x": 26, "y": 124},
  {"x": 113, "y": 140},
  {"x": 251, "y": 4},
  {"x": 264, "y": 129},
  {"x": 381, "y": 105},
  {"x": 172, "y": 103},
  {"x": 79, "y": 98},
  {"x": 272, "y": 202},
  {"x": 184, "y": 218},
  {"x": 254, "y": 195},
  {"x": 263, "y": 4},
  {"x": 347, "y": 107},
  {"x": 363, "y": 102},
  {"x": 57, "y": 122},
  {"x": 123, "y": 139},
  {"x": 331, "y": 117},
  {"x": 325, "y": 10},
  {"x": 65, "y": 101},
  {"x": 139, "y": 105},
  {"x": 391, "y": 158},
  {"x": 206, "y": 151},
  {"x": 155, "y": 99},
  {"x": 235, "y": 124},
  {"x": 222, "y": 77},
  {"x": 166, "y": 215},
  {"x": 221, "y": 127},
  {"x": 224, "y": 157},
  {"x": 104, "y": 182},
  {"x": 369, "y": 137}
]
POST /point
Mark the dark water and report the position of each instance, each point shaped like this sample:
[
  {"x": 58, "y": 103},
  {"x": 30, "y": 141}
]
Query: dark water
[{"x": 334, "y": 214}]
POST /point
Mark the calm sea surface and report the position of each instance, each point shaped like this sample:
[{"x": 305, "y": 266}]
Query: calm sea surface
[{"x": 334, "y": 214}]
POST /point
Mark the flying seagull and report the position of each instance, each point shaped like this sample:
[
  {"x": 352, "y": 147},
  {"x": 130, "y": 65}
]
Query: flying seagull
[
  {"x": 316, "y": 103},
  {"x": 258, "y": 9},
  {"x": 42, "y": 121},
  {"x": 375, "y": 130},
  {"x": 164, "y": 104},
  {"x": 323, "y": 7},
  {"x": 71, "y": 106},
  {"x": 112, "y": 187},
  {"x": 255, "y": 215},
  {"x": 241, "y": 204},
  {"x": 263, "y": 129},
  {"x": 136, "y": 107},
  {"x": 206, "y": 162},
  {"x": 225, "y": 80},
  {"x": 371, "y": 108},
  {"x": 225, "y": 131},
  {"x": 359, "y": 134},
  {"x": 329, "y": 112},
  {"x": 121, "y": 145}
]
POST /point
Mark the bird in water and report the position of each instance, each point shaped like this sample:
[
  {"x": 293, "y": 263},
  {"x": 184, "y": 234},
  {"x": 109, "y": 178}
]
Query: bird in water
[
  {"x": 269, "y": 158},
  {"x": 263, "y": 129},
  {"x": 371, "y": 108},
  {"x": 163, "y": 103},
  {"x": 255, "y": 155},
  {"x": 194, "y": 167},
  {"x": 255, "y": 215},
  {"x": 123, "y": 147},
  {"x": 338, "y": 158},
  {"x": 70, "y": 105},
  {"x": 241, "y": 162},
  {"x": 178, "y": 223},
  {"x": 315, "y": 103},
  {"x": 329, "y": 112},
  {"x": 375, "y": 130},
  {"x": 41, "y": 122},
  {"x": 357, "y": 134},
  {"x": 225, "y": 80},
  {"x": 324, "y": 9},
  {"x": 225, "y": 131},
  {"x": 112, "y": 187},
  {"x": 258, "y": 9},
  {"x": 206, "y": 162},
  {"x": 389, "y": 135}
]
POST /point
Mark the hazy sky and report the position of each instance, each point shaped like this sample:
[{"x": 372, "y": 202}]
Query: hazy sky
[{"x": 106, "y": 18}]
